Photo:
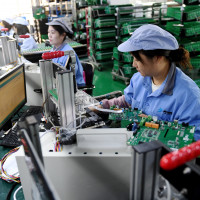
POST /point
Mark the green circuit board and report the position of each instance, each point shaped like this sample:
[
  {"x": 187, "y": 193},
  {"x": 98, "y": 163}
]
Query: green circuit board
[
  {"x": 149, "y": 128},
  {"x": 171, "y": 134},
  {"x": 126, "y": 117}
]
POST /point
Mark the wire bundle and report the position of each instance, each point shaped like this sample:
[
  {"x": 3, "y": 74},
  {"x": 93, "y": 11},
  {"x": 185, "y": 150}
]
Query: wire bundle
[{"x": 3, "y": 174}]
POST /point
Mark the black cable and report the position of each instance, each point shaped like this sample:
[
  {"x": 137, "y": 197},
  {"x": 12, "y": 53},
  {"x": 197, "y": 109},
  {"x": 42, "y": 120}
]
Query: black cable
[{"x": 11, "y": 190}]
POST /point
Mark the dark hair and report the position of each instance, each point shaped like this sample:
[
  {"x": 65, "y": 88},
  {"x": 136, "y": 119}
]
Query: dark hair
[
  {"x": 7, "y": 25},
  {"x": 21, "y": 29},
  {"x": 180, "y": 57},
  {"x": 61, "y": 31}
]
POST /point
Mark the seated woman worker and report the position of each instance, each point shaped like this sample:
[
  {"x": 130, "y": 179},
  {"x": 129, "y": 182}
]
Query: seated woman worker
[
  {"x": 58, "y": 31},
  {"x": 160, "y": 88}
]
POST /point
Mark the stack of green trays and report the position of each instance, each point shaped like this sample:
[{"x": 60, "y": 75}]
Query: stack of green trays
[
  {"x": 103, "y": 55},
  {"x": 104, "y": 44},
  {"x": 111, "y": 9},
  {"x": 81, "y": 14},
  {"x": 104, "y": 22},
  {"x": 129, "y": 27},
  {"x": 125, "y": 18},
  {"x": 192, "y": 46},
  {"x": 187, "y": 29},
  {"x": 195, "y": 62},
  {"x": 127, "y": 57},
  {"x": 129, "y": 70},
  {"x": 117, "y": 65},
  {"x": 189, "y": 13},
  {"x": 116, "y": 53},
  {"x": 105, "y": 33}
]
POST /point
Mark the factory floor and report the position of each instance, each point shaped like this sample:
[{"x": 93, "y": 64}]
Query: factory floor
[{"x": 104, "y": 83}]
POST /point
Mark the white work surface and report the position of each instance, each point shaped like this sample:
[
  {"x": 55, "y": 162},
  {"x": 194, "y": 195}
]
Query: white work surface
[{"x": 93, "y": 170}]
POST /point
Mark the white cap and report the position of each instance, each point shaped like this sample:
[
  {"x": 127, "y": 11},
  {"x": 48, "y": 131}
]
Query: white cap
[
  {"x": 8, "y": 20},
  {"x": 20, "y": 20}
]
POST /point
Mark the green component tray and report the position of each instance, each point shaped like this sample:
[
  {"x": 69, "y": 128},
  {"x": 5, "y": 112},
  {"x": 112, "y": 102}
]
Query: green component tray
[
  {"x": 125, "y": 18},
  {"x": 127, "y": 57},
  {"x": 192, "y": 46},
  {"x": 106, "y": 64},
  {"x": 104, "y": 55},
  {"x": 111, "y": 9},
  {"x": 195, "y": 62},
  {"x": 81, "y": 14},
  {"x": 187, "y": 29},
  {"x": 116, "y": 53},
  {"x": 129, "y": 27},
  {"x": 128, "y": 70},
  {"x": 189, "y": 13},
  {"x": 104, "y": 22},
  {"x": 117, "y": 65},
  {"x": 105, "y": 33},
  {"x": 102, "y": 44}
]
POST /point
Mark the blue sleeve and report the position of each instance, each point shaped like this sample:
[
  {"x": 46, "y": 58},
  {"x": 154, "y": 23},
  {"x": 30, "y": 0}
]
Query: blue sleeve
[
  {"x": 29, "y": 44},
  {"x": 128, "y": 92},
  {"x": 79, "y": 73}
]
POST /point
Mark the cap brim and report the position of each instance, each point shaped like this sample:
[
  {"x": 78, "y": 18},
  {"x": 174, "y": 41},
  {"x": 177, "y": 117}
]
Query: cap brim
[
  {"x": 127, "y": 47},
  {"x": 52, "y": 23}
]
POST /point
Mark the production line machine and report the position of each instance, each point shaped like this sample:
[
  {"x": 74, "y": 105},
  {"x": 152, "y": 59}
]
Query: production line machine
[{"x": 100, "y": 164}]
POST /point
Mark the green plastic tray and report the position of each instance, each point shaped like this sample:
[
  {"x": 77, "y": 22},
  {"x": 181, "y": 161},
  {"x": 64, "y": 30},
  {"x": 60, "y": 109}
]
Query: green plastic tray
[
  {"x": 104, "y": 55},
  {"x": 104, "y": 22},
  {"x": 111, "y": 9},
  {"x": 189, "y": 13},
  {"x": 192, "y": 46},
  {"x": 128, "y": 70},
  {"x": 127, "y": 57},
  {"x": 105, "y": 33},
  {"x": 195, "y": 62},
  {"x": 116, "y": 53},
  {"x": 187, "y": 29},
  {"x": 102, "y": 44}
]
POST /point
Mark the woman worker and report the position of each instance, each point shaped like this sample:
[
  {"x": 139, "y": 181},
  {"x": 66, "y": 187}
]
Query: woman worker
[
  {"x": 58, "y": 31},
  {"x": 159, "y": 88},
  {"x": 7, "y": 23},
  {"x": 20, "y": 28}
]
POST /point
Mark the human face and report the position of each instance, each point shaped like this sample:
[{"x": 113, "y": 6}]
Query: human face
[
  {"x": 54, "y": 37},
  {"x": 146, "y": 67}
]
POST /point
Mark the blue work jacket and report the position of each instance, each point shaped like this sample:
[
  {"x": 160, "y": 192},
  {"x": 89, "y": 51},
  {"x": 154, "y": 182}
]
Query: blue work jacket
[
  {"x": 62, "y": 60},
  {"x": 178, "y": 98}
]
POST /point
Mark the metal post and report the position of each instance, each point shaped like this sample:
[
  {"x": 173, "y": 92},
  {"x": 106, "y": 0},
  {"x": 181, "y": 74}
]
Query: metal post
[
  {"x": 4, "y": 42},
  {"x": 144, "y": 174},
  {"x": 46, "y": 74},
  {"x": 66, "y": 99},
  {"x": 12, "y": 50}
]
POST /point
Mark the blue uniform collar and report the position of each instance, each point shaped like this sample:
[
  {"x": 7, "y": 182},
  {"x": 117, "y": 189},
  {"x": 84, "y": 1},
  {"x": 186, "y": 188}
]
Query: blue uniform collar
[
  {"x": 166, "y": 87},
  {"x": 60, "y": 47}
]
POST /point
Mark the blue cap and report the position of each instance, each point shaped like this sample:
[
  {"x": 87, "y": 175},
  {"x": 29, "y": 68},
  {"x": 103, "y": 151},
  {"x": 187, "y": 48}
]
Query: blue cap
[{"x": 149, "y": 37}]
